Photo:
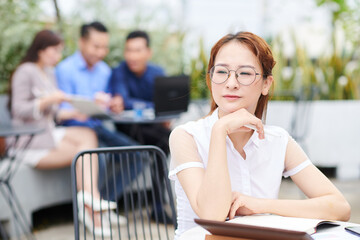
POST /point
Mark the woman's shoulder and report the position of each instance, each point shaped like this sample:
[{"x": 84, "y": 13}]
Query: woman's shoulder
[
  {"x": 25, "y": 69},
  {"x": 276, "y": 133},
  {"x": 194, "y": 126},
  {"x": 276, "y": 130}
]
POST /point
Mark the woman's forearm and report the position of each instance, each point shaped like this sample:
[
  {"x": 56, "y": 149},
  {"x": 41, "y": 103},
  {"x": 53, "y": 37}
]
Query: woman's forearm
[
  {"x": 332, "y": 207},
  {"x": 214, "y": 197},
  {"x": 44, "y": 103}
]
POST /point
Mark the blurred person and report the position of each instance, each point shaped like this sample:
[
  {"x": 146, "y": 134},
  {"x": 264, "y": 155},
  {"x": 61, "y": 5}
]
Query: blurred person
[
  {"x": 34, "y": 99},
  {"x": 85, "y": 74},
  {"x": 223, "y": 167},
  {"x": 133, "y": 82}
]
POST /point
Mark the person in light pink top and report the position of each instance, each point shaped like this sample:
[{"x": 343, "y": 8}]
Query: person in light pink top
[{"x": 35, "y": 99}]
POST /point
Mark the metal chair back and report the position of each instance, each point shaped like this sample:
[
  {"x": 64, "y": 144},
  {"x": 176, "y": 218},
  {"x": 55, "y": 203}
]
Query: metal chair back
[{"x": 140, "y": 172}]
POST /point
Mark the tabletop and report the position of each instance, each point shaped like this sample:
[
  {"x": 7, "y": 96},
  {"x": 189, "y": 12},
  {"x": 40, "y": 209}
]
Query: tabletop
[
  {"x": 7, "y": 130},
  {"x": 128, "y": 117}
]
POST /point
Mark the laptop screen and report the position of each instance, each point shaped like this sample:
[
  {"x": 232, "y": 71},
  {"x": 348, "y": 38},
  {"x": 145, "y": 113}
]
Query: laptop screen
[{"x": 171, "y": 95}]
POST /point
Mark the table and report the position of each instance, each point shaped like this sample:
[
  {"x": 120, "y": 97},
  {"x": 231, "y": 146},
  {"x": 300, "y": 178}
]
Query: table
[
  {"x": 128, "y": 117},
  {"x": 8, "y": 168},
  {"x": 333, "y": 233}
]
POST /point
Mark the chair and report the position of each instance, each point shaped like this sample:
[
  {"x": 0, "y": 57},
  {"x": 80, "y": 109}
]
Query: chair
[
  {"x": 301, "y": 115},
  {"x": 143, "y": 172}
]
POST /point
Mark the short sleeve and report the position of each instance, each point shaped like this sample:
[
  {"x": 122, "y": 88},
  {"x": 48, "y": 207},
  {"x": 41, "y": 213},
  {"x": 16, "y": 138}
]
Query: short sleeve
[
  {"x": 297, "y": 169},
  {"x": 295, "y": 158},
  {"x": 184, "y": 153},
  {"x": 183, "y": 166}
]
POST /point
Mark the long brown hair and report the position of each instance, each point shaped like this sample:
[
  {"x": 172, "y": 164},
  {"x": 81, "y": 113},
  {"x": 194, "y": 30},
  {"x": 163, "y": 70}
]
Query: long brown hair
[
  {"x": 261, "y": 50},
  {"x": 42, "y": 40}
]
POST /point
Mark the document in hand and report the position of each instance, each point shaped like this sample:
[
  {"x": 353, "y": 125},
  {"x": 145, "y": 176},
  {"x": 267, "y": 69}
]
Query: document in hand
[
  {"x": 265, "y": 227},
  {"x": 88, "y": 107}
]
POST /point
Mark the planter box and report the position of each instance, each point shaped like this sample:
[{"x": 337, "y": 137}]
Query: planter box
[{"x": 332, "y": 139}]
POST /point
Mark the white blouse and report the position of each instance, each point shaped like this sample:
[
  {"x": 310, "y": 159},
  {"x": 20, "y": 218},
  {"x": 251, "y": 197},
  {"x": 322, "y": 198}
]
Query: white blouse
[{"x": 258, "y": 176}]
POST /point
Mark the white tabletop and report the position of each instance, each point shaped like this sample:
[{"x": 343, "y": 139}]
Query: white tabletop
[{"x": 128, "y": 117}]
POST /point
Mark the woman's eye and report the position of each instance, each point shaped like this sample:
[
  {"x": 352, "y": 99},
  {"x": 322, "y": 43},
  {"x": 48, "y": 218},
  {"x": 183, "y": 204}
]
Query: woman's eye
[
  {"x": 221, "y": 72},
  {"x": 244, "y": 73}
]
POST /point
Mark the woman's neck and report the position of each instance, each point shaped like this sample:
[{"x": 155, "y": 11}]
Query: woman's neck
[
  {"x": 239, "y": 140},
  {"x": 41, "y": 65}
]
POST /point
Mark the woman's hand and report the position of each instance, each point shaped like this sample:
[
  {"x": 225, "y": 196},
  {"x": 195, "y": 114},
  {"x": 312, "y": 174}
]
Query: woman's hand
[
  {"x": 236, "y": 121},
  {"x": 66, "y": 114},
  {"x": 58, "y": 97},
  {"x": 243, "y": 205},
  {"x": 55, "y": 97}
]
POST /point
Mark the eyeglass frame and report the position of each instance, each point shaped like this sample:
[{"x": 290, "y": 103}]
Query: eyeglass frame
[{"x": 244, "y": 66}]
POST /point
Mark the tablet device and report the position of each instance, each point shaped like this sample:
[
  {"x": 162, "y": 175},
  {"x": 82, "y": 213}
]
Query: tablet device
[
  {"x": 89, "y": 107},
  {"x": 249, "y": 231}
]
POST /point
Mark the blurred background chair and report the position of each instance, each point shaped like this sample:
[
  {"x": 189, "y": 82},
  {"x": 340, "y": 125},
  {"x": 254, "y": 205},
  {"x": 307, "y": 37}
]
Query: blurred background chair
[
  {"x": 302, "y": 111},
  {"x": 139, "y": 168}
]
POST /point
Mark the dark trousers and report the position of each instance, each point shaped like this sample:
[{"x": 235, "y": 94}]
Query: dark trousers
[
  {"x": 107, "y": 188},
  {"x": 150, "y": 134}
]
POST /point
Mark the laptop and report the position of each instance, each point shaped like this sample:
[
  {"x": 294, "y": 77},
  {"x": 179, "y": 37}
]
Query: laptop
[
  {"x": 241, "y": 231},
  {"x": 171, "y": 95}
]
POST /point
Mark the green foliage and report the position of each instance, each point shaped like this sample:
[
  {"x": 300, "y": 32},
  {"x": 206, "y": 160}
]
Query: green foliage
[
  {"x": 198, "y": 71},
  {"x": 18, "y": 23},
  {"x": 336, "y": 75}
]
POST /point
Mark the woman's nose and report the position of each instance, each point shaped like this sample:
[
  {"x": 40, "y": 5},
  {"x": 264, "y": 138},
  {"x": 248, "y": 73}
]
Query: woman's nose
[{"x": 232, "y": 81}]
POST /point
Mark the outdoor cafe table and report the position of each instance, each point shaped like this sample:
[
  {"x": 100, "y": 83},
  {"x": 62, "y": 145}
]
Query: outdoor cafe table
[
  {"x": 148, "y": 117},
  {"x": 9, "y": 163}
]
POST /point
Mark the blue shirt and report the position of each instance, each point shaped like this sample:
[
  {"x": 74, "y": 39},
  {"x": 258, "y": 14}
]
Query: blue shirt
[
  {"x": 133, "y": 88},
  {"x": 75, "y": 78}
]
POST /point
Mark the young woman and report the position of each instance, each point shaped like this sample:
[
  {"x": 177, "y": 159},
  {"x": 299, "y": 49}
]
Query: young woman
[
  {"x": 223, "y": 168},
  {"x": 35, "y": 100}
]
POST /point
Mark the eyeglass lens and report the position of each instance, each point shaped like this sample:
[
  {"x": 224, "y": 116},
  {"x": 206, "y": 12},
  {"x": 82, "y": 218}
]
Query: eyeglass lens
[{"x": 244, "y": 75}]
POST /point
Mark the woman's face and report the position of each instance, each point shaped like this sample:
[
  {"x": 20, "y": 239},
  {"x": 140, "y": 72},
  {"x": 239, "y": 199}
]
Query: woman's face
[
  {"x": 51, "y": 55},
  {"x": 231, "y": 95}
]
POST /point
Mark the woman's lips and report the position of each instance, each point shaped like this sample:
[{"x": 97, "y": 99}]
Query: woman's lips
[{"x": 231, "y": 97}]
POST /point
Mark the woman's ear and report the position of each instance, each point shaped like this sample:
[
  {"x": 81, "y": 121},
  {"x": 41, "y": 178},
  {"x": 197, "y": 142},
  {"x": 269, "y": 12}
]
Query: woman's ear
[{"x": 266, "y": 85}]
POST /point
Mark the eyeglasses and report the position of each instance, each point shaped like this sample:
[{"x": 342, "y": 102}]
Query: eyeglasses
[{"x": 245, "y": 75}]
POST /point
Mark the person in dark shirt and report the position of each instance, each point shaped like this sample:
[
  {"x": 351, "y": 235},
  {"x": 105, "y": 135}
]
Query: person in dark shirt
[{"x": 133, "y": 80}]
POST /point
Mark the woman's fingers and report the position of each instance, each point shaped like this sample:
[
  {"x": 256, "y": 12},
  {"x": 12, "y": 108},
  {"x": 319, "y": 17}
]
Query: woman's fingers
[
  {"x": 260, "y": 128},
  {"x": 234, "y": 207},
  {"x": 242, "y": 120}
]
